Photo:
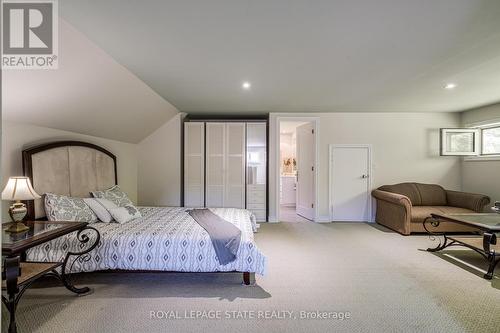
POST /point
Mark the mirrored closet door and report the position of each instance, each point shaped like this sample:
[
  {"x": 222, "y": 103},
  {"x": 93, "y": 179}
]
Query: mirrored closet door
[{"x": 257, "y": 169}]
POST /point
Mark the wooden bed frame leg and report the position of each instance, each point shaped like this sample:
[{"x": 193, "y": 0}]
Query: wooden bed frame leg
[{"x": 248, "y": 278}]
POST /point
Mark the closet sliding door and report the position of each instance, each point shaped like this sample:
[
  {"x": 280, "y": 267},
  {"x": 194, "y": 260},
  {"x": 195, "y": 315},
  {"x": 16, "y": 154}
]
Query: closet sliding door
[
  {"x": 194, "y": 164},
  {"x": 215, "y": 184},
  {"x": 215, "y": 164},
  {"x": 225, "y": 170},
  {"x": 235, "y": 165}
]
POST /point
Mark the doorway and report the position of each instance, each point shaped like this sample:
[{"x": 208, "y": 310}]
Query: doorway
[
  {"x": 297, "y": 160},
  {"x": 350, "y": 183}
]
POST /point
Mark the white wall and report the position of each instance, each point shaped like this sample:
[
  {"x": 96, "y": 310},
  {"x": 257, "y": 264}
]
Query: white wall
[
  {"x": 480, "y": 176},
  {"x": 486, "y": 113},
  {"x": 405, "y": 148},
  {"x": 17, "y": 136},
  {"x": 287, "y": 147},
  {"x": 160, "y": 165}
]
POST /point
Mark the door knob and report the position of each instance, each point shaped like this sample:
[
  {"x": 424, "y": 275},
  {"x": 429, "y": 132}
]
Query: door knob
[{"x": 364, "y": 176}]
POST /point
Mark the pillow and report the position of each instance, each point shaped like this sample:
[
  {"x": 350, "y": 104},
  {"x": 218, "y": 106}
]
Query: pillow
[
  {"x": 101, "y": 208},
  {"x": 64, "y": 208},
  {"x": 114, "y": 194},
  {"x": 125, "y": 213}
]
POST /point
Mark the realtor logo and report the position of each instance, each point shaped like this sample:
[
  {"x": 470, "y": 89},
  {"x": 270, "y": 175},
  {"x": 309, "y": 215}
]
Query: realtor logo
[{"x": 29, "y": 39}]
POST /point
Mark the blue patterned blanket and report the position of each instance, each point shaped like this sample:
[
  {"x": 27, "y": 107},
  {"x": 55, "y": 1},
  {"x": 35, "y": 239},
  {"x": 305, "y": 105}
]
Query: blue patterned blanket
[{"x": 164, "y": 239}]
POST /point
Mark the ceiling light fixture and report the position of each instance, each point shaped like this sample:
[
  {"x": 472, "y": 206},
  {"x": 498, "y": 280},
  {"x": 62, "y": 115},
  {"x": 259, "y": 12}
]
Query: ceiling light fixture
[
  {"x": 246, "y": 85},
  {"x": 450, "y": 86}
]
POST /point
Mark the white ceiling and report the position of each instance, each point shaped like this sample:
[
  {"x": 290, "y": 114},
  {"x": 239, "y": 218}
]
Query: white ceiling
[
  {"x": 90, "y": 93},
  {"x": 322, "y": 56}
]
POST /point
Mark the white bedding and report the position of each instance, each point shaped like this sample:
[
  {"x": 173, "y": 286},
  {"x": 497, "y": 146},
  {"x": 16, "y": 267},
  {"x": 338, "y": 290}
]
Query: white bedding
[{"x": 164, "y": 239}]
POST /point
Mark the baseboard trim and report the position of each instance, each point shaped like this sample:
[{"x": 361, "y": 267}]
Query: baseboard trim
[
  {"x": 272, "y": 219},
  {"x": 323, "y": 219}
]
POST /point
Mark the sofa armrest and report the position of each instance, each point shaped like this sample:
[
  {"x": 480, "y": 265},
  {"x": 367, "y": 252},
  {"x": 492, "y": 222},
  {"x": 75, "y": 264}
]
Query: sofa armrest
[
  {"x": 393, "y": 211},
  {"x": 393, "y": 198},
  {"x": 472, "y": 201}
]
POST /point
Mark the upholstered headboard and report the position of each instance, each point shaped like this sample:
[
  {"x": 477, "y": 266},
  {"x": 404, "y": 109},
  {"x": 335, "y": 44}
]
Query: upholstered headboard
[{"x": 70, "y": 168}]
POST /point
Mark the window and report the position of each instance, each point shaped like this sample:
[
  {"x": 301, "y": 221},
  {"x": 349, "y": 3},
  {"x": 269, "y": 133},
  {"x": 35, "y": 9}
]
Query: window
[
  {"x": 490, "y": 138},
  {"x": 459, "y": 142},
  {"x": 481, "y": 140}
]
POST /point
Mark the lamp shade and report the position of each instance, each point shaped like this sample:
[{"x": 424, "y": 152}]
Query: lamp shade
[{"x": 19, "y": 188}]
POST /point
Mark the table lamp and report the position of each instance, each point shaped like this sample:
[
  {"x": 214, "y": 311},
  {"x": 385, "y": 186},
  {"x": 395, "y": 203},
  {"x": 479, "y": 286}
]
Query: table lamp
[{"x": 17, "y": 189}]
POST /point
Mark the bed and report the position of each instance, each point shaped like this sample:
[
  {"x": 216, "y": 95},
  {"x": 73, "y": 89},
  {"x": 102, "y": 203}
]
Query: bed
[{"x": 163, "y": 239}]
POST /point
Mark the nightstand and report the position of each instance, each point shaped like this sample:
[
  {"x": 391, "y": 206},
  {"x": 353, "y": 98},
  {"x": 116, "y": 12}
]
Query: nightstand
[{"x": 17, "y": 276}]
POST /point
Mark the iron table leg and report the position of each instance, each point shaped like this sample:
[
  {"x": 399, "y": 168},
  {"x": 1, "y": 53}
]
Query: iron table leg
[
  {"x": 490, "y": 239},
  {"x": 11, "y": 275},
  {"x": 84, "y": 240}
]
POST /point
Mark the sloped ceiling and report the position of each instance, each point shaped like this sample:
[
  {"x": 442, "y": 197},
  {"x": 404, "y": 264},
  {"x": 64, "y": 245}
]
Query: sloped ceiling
[
  {"x": 90, "y": 93},
  {"x": 318, "y": 55}
]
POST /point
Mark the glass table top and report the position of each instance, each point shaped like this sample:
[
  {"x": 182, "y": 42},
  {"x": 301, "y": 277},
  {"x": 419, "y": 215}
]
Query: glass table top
[
  {"x": 487, "y": 219},
  {"x": 35, "y": 230}
]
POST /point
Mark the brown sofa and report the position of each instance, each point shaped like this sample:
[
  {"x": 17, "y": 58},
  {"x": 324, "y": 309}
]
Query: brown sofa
[{"x": 403, "y": 207}]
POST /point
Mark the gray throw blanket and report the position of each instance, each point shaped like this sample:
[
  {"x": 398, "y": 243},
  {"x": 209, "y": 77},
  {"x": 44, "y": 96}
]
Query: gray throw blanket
[{"x": 225, "y": 236}]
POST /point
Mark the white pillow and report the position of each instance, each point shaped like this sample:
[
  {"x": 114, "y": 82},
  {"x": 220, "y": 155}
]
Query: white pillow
[
  {"x": 125, "y": 213},
  {"x": 101, "y": 208}
]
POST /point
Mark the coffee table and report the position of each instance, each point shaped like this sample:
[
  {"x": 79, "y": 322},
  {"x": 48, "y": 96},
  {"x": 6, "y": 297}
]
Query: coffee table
[{"x": 483, "y": 242}]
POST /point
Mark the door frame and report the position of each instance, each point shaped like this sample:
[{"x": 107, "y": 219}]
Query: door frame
[
  {"x": 275, "y": 121},
  {"x": 331, "y": 193}
]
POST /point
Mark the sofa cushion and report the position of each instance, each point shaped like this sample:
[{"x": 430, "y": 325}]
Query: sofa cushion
[
  {"x": 454, "y": 210},
  {"x": 420, "y": 213},
  {"x": 408, "y": 189},
  {"x": 431, "y": 195}
]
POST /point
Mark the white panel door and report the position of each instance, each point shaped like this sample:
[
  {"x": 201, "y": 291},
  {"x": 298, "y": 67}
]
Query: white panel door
[
  {"x": 194, "y": 164},
  {"x": 215, "y": 169},
  {"x": 234, "y": 195},
  {"x": 350, "y": 185},
  {"x": 305, "y": 171}
]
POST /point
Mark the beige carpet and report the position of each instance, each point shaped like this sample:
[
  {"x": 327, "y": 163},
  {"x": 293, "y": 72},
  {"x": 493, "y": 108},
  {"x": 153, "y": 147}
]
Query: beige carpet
[
  {"x": 379, "y": 277},
  {"x": 289, "y": 214}
]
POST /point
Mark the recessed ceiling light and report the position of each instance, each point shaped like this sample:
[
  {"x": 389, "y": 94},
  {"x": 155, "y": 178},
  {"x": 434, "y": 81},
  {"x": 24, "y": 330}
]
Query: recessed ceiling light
[
  {"x": 450, "y": 86},
  {"x": 246, "y": 85}
]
